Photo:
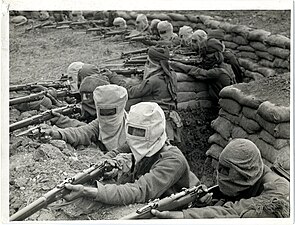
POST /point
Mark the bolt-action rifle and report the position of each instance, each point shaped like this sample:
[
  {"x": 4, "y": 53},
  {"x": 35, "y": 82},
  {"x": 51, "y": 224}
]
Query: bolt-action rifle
[
  {"x": 128, "y": 54},
  {"x": 94, "y": 172},
  {"x": 175, "y": 201},
  {"x": 278, "y": 168},
  {"x": 44, "y": 116},
  {"x": 127, "y": 72}
]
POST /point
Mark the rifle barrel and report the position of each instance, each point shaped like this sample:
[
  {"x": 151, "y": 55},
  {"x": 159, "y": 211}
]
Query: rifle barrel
[
  {"x": 29, "y": 98},
  {"x": 58, "y": 192},
  {"x": 37, "y": 119}
]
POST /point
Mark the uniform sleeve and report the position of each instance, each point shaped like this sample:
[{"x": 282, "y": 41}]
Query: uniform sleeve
[
  {"x": 254, "y": 207},
  {"x": 65, "y": 121},
  {"x": 82, "y": 135},
  {"x": 196, "y": 72},
  {"x": 118, "y": 80},
  {"x": 151, "y": 185},
  {"x": 113, "y": 153}
]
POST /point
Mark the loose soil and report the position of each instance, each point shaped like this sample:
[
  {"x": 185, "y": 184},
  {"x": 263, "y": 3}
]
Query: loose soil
[{"x": 44, "y": 54}]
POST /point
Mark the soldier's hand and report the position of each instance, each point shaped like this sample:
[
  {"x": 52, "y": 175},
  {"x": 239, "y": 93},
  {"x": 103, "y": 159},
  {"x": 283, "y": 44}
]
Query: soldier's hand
[
  {"x": 55, "y": 118},
  {"x": 206, "y": 199},
  {"x": 47, "y": 132},
  {"x": 111, "y": 169},
  {"x": 167, "y": 214},
  {"x": 76, "y": 191}
]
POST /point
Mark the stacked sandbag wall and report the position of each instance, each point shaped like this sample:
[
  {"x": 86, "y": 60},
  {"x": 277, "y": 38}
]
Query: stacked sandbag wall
[
  {"x": 257, "y": 118},
  {"x": 260, "y": 53}
]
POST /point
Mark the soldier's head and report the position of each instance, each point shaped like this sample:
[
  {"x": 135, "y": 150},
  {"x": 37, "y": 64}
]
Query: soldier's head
[
  {"x": 85, "y": 71},
  {"x": 153, "y": 26},
  {"x": 165, "y": 30},
  {"x": 214, "y": 54},
  {"x": 145, "y": 129},
  {"x": 153, "y": 63},
  {"x": 199, "y": 38},
  {"x": 119, "y": 23},
  {"x": 141, "y": 22},
  {"x": 110, "y": 101},
  {"x": 240, "y": 166},
  {"x": 72, "y": 73},
  {"x": 86, "y": 90},
  {"x": 185, "y": 35}
]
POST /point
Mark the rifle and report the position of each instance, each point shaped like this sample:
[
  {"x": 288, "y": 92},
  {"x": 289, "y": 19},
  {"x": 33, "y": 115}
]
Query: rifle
[
  {"x": 172, "y": 202},
  {"x": 30, "y": 86},
  {"x": 59, "y": 191},
  {"x": 278, "y": 168},
  {"x": 44, "y": 116},
  {"x": 188, "y": 60},
  {"x": 29, "y": 98},
  {"x": 127, "y": 54},
  {"x": 100, "y": 29},
  {"x": 126, "y": 63},
  {"x": 47, "y": 23},
  {"x": 140, "y": 39},
  {"x": 128, "y": 71}
]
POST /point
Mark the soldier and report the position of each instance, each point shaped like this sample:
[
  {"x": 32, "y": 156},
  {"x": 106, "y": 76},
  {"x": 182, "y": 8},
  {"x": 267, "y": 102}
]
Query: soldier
[
  {"x": 108, "y": 130},
  {"x": 248, "y": 188},
  {"x": 213, "y": 69},
  {"x": 142, "y": 24},
  {"x": 153, "y": 27},
  {"x": 120, "y": 23},
  {"x": 159, "y": 85},
  {"x": 153, "y": 174},
  {"x": 185, "y": 36},
  {"x": 88, "y": 110},
  {"x": 198, "y": 43},
  {"x": 72, "y": 73},
  {"x": 166, "y": 31}
]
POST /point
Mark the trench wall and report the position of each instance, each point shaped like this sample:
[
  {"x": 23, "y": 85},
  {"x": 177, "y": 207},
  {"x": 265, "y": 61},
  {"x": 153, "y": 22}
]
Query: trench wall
[{"x": 242, "y": 114}]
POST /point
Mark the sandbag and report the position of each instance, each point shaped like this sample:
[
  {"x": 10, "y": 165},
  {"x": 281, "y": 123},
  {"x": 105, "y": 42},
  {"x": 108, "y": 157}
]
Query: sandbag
[
  {"x": 265, "y": 55},
  {"x": 194, "y": 19},
  {"x": 204, "y": 104},
  {"x": 277, "y": 143},
  {"x": 280, "y": 52},
  {"x": 183, "y": 77},
  {"x": 228, "y": 37},
  {"x": 274, "y": 113},
  {"x": 133, "y": 15},
  {"x": 223, "y": 127},
  {"x": 248, "y": 64},
  {"x": 245, "y": 48},
  {"x": 216, "y": 138},
  {"x": 258, "y": 46},
  {"x": 204, "y": 18},
  {"x": 226, "y": 26},
  {"x": 124, "y": 15},
  {"x": 229, "y": 44},
  {"x": 240, "y": 40},
  {"x": 241, "y": 30},
  {"x": 203, "y": 95},
  {"x": 192, "y": 104},
  {"x": 191, "y": 86},
  {"x": 232, "y": 118},
  {"x": 177, "y": 17},
  {"x": 214, "y": 151},
  {"x": 267, "y": 72},
  {"x": 281, "y": 130},
  {"x": 249, "y": 55},
  {"x": 250, "y": 113},
  {"x": 283, "y": 158},
  {"x": 253, "y": 75},
  {"x": 243, "y": 99},
  {"x": 267, "y": 151},
  {"x": 278, "y": 40},
  {"x": 19, "y": 19},
  {"x": 266, "y": 63},
  {"x": 281, "y": 63},
  {"x": 212, "y": 23},
  {"x": 197, "y": 26},
  {"x": 239, "y": 132},
  {"x": 160, "y": 16},
  {"x": 131, "y": 22},
  {"x": 231, "y": 106},
  {"x": 185, "y": 96},
  {"x": 258, "y": 35},
  {"x": 216, "y": 33},
  {"x": 249, "y": 125},
  {"x": 177, "y": 24}
]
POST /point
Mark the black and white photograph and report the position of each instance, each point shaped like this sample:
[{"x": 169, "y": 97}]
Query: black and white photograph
[{"x": 126, "y": 111}]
